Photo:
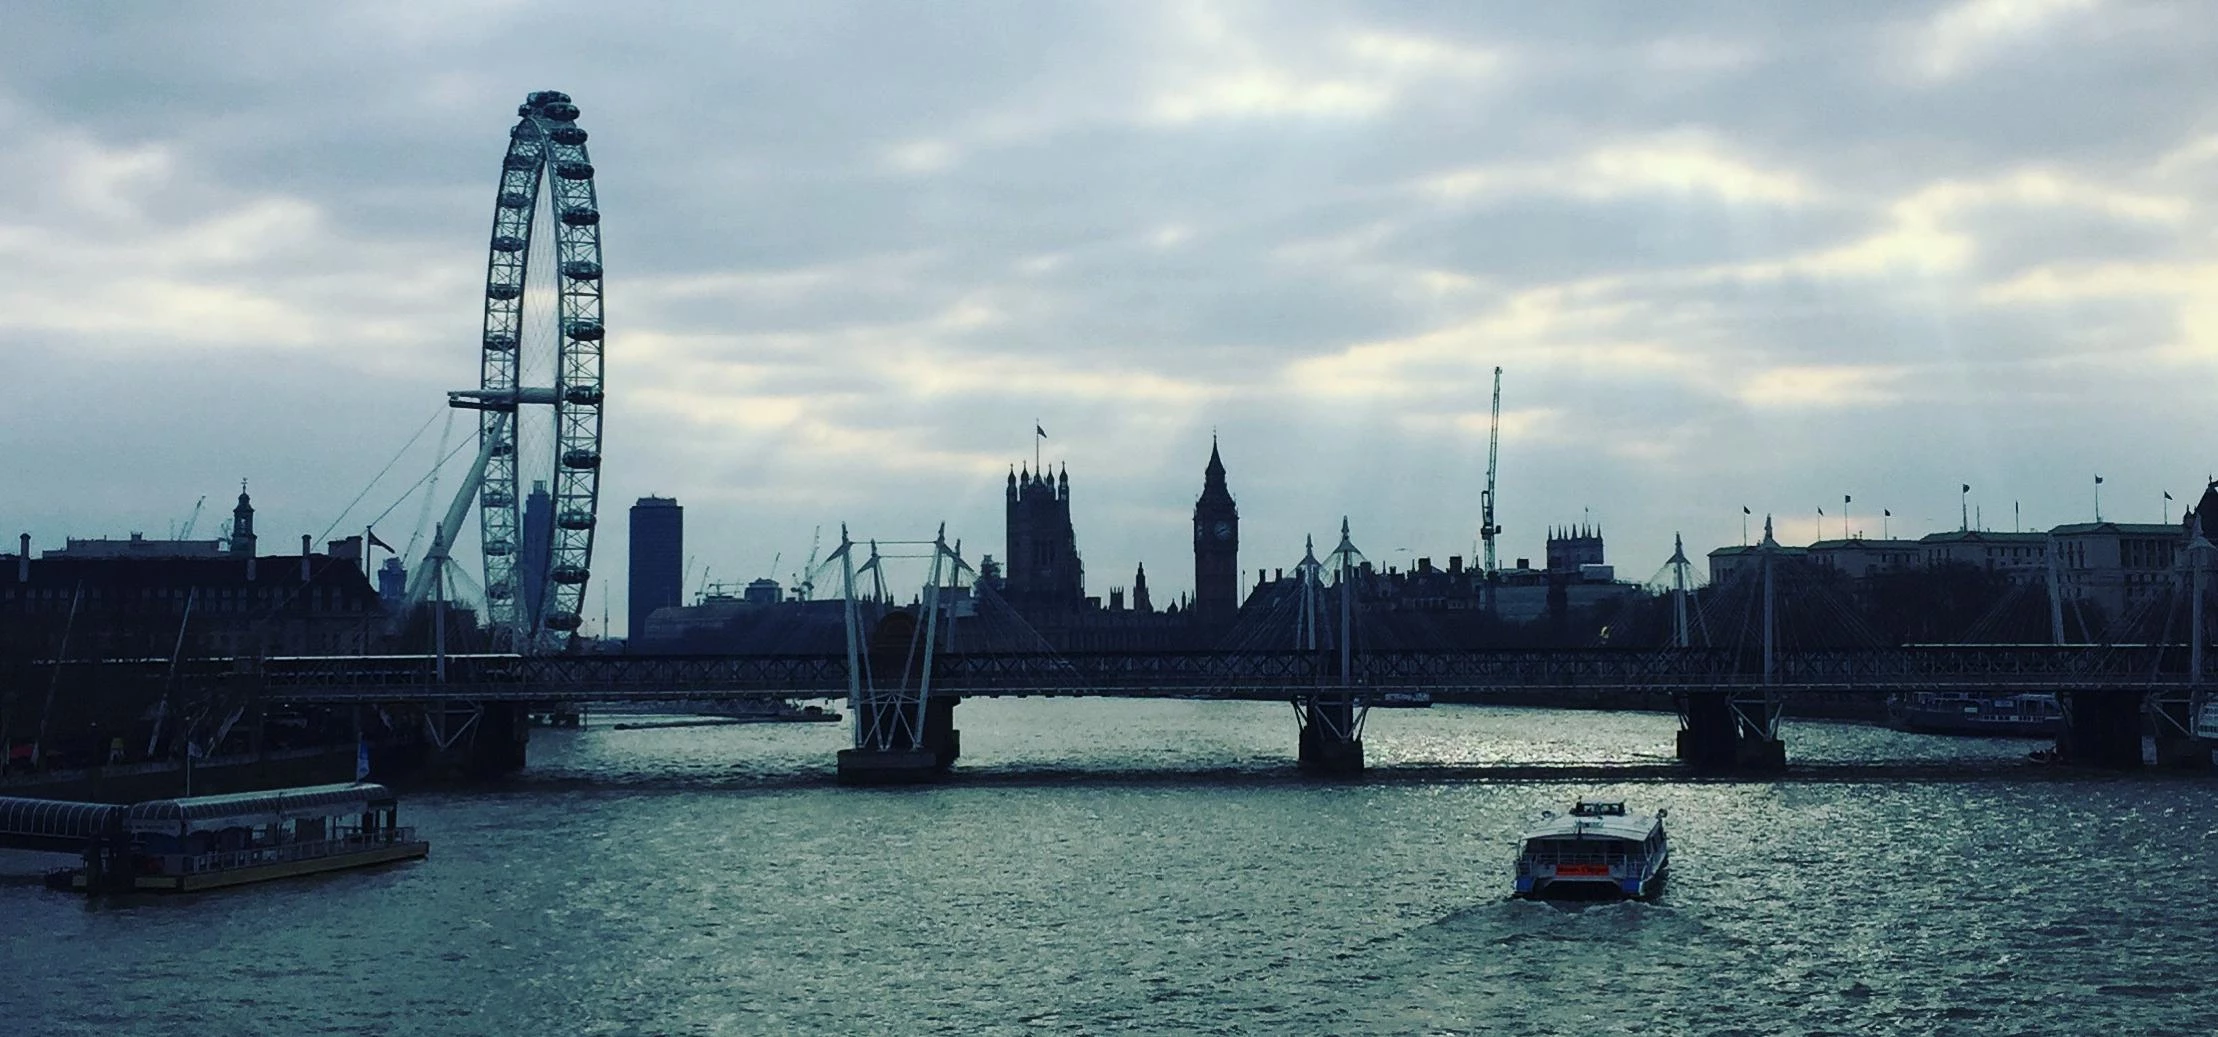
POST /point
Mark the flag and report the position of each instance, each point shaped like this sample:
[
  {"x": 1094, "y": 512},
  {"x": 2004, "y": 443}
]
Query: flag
[
  {"x": 2098, "y": 480},
  {"x": 1845, "y": 498},
  {"x": 1967, "y": 487},
  {"x": 1038, "y": 431},
  {"x": 374, "y": 541},
  {"x": 361, "y": 759},
  {"x": 1745, "y": 511},
  {"x": 1884, "y": 513},
  {"x": 1821, "y": 511},
  {"x": 193, "y": 750},
  {"x": 2167, "y": 495}
]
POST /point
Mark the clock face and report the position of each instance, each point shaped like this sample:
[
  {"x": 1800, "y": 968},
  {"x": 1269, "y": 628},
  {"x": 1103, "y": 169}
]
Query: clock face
[{"x": 1223, "y": 530}]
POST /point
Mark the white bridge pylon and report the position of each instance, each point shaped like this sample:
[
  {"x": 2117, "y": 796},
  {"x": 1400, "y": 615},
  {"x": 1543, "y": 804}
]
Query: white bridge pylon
[{"x": 889, "y": 713}]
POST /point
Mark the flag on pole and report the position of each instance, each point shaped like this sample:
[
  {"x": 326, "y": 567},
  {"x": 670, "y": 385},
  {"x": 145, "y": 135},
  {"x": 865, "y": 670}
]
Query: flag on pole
[
  {"x": 1821, "y": 511},
  {"x": 2167, "y": 495},
  {"x": 1038, "y": 431},
  {"x": 374, "y": 541},
  {"x": 1884, "y": 513},
  {"x": 1845, "y": 498},
  {"x": 2098, "y": 480},
  {"x": 1745, "y": 511},
  {"x": 361, "y": 759},
  {"x": 1967, "y": 487}
]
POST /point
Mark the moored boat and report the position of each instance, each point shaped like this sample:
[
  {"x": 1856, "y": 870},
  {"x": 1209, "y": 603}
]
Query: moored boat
[
  {"x": 208, "y": 842},
  {"x": 1597, "y": 851},
  {"x": 1961, "y": 713}
]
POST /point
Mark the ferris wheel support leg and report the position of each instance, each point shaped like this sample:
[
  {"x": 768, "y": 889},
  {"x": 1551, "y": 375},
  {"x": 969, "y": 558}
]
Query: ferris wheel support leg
[{"x": 442, "y": 540}]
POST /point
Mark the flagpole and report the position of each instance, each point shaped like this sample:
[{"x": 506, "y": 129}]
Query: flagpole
[{"x": 1036, "y": 426}]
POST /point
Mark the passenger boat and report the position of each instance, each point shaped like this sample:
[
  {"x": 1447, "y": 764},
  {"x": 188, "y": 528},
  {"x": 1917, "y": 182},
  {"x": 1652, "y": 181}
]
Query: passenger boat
[
  {"x": 1960, "y": 713},
  {"x": 1596, "y": 852},
  {"x": 208, "y": 842}
]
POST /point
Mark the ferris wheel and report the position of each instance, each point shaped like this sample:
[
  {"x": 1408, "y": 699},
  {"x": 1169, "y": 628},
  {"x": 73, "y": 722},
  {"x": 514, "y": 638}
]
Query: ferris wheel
[{"x": 539, "y": 393}]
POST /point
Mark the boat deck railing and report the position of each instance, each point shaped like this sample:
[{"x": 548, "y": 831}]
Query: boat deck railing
[
  {"x": 1636, "y": 861},
  {"x": 281, "y": 853}
]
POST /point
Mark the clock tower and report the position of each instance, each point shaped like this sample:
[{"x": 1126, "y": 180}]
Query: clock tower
[{"x": 1216, "y": 547}]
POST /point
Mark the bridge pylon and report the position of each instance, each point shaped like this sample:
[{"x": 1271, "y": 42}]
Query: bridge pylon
[
  {"x": 1735, "y": 729},
  {"x": 1331, "y": 717},
  {"x": 904, "y": 734}
]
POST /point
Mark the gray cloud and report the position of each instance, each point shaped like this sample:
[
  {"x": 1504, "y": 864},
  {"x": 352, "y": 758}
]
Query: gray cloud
[{"x": 1728, "y": 255}]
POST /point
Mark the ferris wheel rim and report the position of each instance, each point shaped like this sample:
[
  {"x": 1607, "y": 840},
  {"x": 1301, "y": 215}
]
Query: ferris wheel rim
[{"x": 546, "y": 151}]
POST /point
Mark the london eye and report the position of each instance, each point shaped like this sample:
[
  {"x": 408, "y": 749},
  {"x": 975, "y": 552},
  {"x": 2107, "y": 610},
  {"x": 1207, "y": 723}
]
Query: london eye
[{"x": 536, "y": 480}]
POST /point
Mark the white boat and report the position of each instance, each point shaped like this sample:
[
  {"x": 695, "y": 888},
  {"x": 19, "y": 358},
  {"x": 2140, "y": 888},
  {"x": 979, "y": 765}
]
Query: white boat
[{"x": 1597, "y": 851}]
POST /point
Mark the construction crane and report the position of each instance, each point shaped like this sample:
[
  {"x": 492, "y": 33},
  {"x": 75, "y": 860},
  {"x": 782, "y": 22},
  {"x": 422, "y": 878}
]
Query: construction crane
[
  {"x": 806, "y": 584},
  {"x": 1487, "y": 526},
  {"x": 186, "y": 533}
]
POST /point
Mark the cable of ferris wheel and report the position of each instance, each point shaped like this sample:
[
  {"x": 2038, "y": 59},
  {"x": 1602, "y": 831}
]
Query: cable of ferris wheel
[{"x": 375, "y": 479}]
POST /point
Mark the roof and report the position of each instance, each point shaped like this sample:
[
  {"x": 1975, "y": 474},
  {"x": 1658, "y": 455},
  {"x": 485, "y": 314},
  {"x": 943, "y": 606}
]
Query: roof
[
  {"x": 1607, "y": 826},
  {"x": 1982, "y": 536},
  {"x": 24, "y": 821},
  {"x": 1862, "y": 544},
  {"x": 2138, "y": 529},
  {"x": 264, "y": 807}
]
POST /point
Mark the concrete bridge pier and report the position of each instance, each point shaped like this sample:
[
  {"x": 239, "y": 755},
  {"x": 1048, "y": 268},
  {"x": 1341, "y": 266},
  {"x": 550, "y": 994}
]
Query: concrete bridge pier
[
  {"x": 903, "y": 734},
  {"x": 476, "y": 740},
  {"x": 903, "y": 761},
  {"x": 1722, "y": 733},
  {"x": 1331, "y": 736},
  {"x": 2177, "y": 748},
  {"x": 2101, "y": 729}
]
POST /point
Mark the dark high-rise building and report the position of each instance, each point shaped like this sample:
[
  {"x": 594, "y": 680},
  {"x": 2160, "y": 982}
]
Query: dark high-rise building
[
  {"x": 1044, "y": 572},
  {"x": 537, "y": 547},
  {"x": 657, "y": 561},
  {"x": 1216, "y": 547}
]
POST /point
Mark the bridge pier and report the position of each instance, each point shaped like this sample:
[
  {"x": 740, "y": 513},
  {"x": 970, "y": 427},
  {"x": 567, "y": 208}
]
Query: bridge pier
[
  {"x": 476, "y": 741},
  {"x": 2177, "y": 748},
  {"x": 2101, "y": 729},
  {"x": 929, "y": 760},
  {"x": 1331, "y": 736},
  {"x": 1719, "y": 735}
]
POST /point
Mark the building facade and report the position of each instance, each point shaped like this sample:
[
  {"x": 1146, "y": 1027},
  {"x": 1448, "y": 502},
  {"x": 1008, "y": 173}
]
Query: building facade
[
  {"x": 657, "y": 562},
  {"x": 1042, "y": 572}
]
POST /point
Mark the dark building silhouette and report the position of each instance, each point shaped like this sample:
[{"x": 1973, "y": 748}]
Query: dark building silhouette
[
  {"x": 1571, "y": 547},
  {"x": 1140, "y": 602},
  {"x": 242, "y": 525},
  {"x": 1216, "y": 547},
  {"x": 1042, "y": 572},
  {"x": 657, "y": 560},
  {"x": 537, "y": 546}
]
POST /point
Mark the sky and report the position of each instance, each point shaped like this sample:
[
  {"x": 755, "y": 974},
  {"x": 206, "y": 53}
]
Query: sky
[{"x": 1726, "y": 255}]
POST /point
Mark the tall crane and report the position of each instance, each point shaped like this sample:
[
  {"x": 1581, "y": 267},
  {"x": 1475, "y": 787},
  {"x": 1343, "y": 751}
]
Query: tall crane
[
  {"x": 1487, "y": 526},
  {"x": 186, "y": 533}
]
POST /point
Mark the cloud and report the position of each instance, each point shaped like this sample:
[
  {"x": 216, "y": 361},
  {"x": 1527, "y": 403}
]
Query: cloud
[{"x": 855, "y": 252}]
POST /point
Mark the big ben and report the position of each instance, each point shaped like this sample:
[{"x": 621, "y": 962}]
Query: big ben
[{"x": 1216, "y": 547}]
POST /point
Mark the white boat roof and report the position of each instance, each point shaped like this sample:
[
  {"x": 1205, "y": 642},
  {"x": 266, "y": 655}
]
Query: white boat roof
[{"x": 1595, "y": 820}]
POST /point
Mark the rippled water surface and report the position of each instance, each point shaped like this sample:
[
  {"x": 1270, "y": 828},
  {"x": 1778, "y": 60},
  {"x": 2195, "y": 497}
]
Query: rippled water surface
[{"x": 1114, "y": 867}]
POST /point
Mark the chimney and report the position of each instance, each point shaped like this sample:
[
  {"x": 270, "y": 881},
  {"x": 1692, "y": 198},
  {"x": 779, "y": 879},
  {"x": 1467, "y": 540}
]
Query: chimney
[
  {"x": 23, "y": 559},
  {"x": 305, "y": 542}
]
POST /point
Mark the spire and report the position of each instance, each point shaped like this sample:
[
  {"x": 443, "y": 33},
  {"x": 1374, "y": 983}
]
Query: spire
[{"x": 1215, "y": 473}]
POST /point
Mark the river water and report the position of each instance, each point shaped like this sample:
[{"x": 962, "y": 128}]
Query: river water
[{"x": 1104, "y": 867}]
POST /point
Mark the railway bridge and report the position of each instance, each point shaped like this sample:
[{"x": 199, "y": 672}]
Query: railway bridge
[{"x": 902, "y": 701}]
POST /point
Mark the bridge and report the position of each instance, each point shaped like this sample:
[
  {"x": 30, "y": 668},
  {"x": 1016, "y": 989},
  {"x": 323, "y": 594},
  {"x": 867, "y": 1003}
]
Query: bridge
[{"x": 1730, "y": 702}]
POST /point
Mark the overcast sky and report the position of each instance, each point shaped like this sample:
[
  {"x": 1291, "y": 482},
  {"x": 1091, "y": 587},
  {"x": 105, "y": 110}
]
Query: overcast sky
[{"x": 1726, "y": 255}]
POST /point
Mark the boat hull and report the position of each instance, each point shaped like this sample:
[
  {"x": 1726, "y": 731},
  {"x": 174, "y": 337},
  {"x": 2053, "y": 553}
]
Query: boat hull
[
  {"x": 2005, "y": 716},
  {"x": 221, "y": 878}
]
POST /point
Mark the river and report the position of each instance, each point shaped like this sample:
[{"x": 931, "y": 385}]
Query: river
[{"x": 1100, "y": 867}]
